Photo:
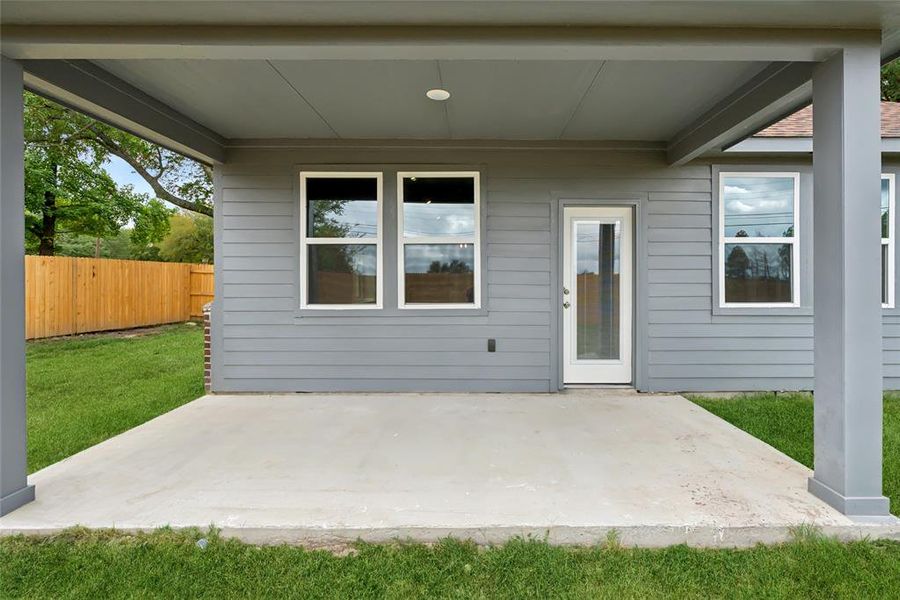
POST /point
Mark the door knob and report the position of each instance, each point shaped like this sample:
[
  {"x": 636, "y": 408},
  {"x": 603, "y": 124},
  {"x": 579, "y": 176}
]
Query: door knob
[
  {"x": 566, "y": 305},
  {"x": 566, "y": 291}
]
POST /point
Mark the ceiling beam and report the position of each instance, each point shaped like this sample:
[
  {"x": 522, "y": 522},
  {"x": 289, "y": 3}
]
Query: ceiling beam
[
  {"x": 90, "y": 89},
  {"x": 779, "y": 89},
  {"x": 424, "y": 43}
]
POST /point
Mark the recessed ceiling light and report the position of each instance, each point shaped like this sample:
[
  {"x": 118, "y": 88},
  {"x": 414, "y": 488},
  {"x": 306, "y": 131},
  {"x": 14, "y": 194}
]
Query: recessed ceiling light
[{"x": 438, "y": 94}]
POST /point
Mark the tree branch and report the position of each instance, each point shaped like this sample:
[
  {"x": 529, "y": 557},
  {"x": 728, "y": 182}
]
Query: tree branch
[{"x": 161, "y": 192}]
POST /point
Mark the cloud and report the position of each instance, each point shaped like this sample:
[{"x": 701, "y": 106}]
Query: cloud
[
  {"x": 734, "y": 189},
  {"x": 760, "y": 206}
]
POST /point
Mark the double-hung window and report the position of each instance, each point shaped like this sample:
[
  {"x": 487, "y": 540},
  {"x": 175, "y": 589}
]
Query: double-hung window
[
  {"x": 439, "y": 236},
  {"x": 759, "y": 239},
  {"x": 340, "y": 240},
  {"x": 888, "y": 194}
]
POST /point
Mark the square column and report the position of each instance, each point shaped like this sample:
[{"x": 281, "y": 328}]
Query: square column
[
  {"x": 14, "y": 488},
  {"x": 847, "y": 282}
]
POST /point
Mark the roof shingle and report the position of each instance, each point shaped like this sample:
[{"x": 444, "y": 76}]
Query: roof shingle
[{"x": 800, "y": 124}]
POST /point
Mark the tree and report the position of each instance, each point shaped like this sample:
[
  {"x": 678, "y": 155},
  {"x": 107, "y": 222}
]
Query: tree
[
  {"x": 190, "y": 240},
  {"x": 68, "y": 191},
  {"x": 174, "y": 178},
  {"x": 890, "y": 81},
  {"x": 454, "y": 266},
  {"x": 737, "y": 265},
  {"x": 120, "y": 246}
]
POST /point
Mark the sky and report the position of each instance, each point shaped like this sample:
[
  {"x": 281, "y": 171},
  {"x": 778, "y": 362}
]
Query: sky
[
  {"x": 123, "y": 174},
  {"x": 758, "y": 206}
]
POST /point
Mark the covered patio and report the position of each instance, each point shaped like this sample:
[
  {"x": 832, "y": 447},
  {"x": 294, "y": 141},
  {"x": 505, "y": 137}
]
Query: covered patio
[
  {"x": 589, "y": 100},
  {"x": 326, "y": 470}
]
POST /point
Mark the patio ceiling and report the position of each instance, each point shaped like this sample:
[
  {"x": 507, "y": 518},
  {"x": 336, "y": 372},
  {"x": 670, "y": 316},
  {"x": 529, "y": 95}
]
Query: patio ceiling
[
  {"x": 534, "y": 100},
  {"x": 695, "y": 75}
]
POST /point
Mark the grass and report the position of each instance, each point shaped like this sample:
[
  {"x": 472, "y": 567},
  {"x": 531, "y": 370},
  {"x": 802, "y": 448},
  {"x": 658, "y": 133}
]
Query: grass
[
  {"x": 84, "y": 390},
  {"x": 82, "y": 564},
  {"x": 785, "y": 421}
]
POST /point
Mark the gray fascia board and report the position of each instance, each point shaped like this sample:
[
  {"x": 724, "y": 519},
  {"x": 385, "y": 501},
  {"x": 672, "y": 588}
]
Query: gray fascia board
[
  {"x": 778, "y": 89},
  {"x": 794, "y": 145},
  {"x": 425, "y": 42},
  {"x": 773, "y": 145},
  {"x": 88, "y": 88}
]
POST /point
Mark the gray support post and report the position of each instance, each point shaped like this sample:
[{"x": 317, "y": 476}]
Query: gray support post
[
  {"x": 847, "y": 278},
  {"x": 14, "y": 488}
]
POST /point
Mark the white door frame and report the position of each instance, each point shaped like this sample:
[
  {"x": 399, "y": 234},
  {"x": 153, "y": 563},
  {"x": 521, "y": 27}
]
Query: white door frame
[{"x": 617, "y": 371}]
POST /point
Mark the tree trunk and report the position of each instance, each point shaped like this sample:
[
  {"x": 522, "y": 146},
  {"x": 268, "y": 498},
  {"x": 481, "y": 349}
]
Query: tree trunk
[
  {"x": 97, "y": 248},
  {"x": 47, "y": 235}
]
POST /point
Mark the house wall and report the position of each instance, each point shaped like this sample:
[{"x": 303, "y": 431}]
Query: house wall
[{"x": 263, "y": 342}]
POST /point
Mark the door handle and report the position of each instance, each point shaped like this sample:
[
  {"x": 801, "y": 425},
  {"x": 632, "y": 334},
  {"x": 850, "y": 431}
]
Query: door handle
[{"x": 566, "y": 305}]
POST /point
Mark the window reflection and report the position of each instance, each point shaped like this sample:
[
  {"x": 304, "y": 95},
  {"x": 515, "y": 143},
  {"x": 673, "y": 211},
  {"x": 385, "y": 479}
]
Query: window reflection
[
  {"x": 758, "y": 206},
  {"x": 439, "y": 273},
  {"x": 342, "y": 274},
  {"x": 438, "y": 206},
  {"x": 758, "y": 273},
  {"x": 342, "y": 207},
  {"x": 597, "y": 248}
]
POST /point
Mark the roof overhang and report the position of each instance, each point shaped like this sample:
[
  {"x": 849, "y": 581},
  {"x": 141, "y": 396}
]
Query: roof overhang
[
  {"x": 91, "y": 90},
  {"x": 424, "y": 43},
  {"x": 62, "y": 45}
]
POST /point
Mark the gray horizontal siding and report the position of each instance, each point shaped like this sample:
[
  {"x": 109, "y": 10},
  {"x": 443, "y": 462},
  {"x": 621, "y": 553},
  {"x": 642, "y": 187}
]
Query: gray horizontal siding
[
  {"x": 265, "y": 346},
  {"x": 404, "y": 384}
]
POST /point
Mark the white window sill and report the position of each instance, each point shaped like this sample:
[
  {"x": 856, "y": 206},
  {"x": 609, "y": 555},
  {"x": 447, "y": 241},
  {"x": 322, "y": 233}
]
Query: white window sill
[{"x": 781, "y": 310}]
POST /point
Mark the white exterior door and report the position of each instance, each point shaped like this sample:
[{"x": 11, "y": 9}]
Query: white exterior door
[{"x": 597, "y": 294}]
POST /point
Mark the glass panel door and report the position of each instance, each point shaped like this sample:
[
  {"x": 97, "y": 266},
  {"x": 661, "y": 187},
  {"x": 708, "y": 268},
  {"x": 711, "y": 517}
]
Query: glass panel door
[{"x": 597, "y": 295}]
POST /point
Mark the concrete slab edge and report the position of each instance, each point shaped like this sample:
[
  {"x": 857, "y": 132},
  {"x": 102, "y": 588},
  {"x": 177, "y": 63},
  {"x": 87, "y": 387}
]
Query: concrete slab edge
[{"x": 647, "y": 536}]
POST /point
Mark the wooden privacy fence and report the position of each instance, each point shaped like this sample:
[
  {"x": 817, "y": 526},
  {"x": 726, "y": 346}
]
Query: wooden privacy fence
[{"x": 65, "y": 295}]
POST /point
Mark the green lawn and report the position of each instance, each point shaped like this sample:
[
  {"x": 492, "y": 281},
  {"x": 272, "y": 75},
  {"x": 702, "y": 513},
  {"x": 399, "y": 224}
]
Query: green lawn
[
  {"x": 170, "y": 565},
  {"x": 785, "y": 421},
  {"x": 84, "y": 390}
]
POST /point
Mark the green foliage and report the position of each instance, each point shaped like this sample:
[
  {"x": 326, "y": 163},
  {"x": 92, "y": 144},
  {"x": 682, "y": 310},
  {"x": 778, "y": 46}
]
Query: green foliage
[
  {"x": 890, "y": 81},
  {"x": 67, "y": 189},
  {"x": 189, "y": 240},
  {"x": 324, "y": 222},
  {"x": 69, "y": 192},
  {"x": 174, "y": 178},
  {"x": 169, "y": 564},
  {"x": 72, "y": 244},
  {"x": 121, "y": 246},
  {"x": 454, "y": 266},
  {"x": 785, "y": 421},
  {"x": 83, "y": 390}
]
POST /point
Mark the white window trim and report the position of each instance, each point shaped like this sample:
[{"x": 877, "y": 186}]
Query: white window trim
[
  {"x": 793, "y": 241},
  {"x": 377, "y": 241},
  {"x": 402, "y": 241},
  {"x": 889, "y": 241}
]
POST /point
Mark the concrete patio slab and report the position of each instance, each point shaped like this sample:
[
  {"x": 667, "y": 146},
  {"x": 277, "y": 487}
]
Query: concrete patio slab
[{"x": 327, "y": 469}]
